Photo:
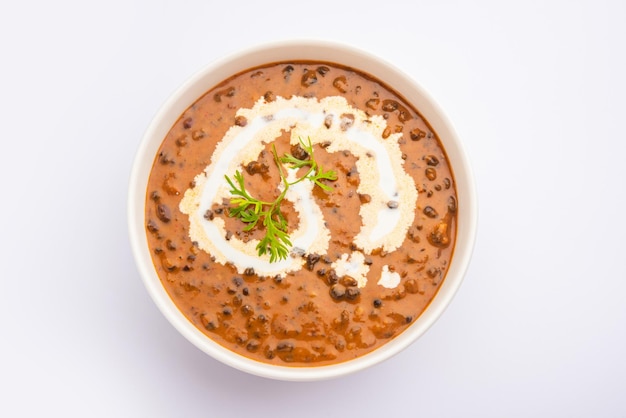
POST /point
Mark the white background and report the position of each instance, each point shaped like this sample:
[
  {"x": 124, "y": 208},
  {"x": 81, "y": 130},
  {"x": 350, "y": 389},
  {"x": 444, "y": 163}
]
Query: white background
[{"x": 537, "y": 92}]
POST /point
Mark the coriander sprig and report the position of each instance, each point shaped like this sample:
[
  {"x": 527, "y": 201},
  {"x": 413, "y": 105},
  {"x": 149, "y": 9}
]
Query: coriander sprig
[
  {"x": 251, "y": 211},
  {"x": 316, "y": 173}
]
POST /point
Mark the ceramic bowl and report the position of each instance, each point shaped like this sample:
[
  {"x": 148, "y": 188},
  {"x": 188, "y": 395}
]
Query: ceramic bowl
[{"x": 345, "y": 55}]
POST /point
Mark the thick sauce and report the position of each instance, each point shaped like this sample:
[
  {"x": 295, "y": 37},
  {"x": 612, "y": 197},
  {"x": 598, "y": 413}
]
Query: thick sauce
[{"x": 336, "y": 299}]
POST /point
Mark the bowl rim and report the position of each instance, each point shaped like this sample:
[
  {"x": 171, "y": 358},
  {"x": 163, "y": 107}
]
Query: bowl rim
[{"x": 315, "y": 50}]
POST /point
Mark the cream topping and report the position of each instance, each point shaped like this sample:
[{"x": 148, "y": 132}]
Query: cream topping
[
  {"x": 389, "y": 279},
  {"x": 352, "y": 265},
  {"x": 385, "y": 224}
]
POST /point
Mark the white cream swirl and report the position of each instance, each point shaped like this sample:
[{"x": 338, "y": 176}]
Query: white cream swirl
[{"x": 330, "y": 121}]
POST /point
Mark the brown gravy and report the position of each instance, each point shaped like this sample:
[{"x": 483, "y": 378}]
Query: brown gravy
[{"x": 312, "y": 316}]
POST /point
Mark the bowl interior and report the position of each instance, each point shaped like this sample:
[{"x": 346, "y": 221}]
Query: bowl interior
[{"x": 216, "y": 72}]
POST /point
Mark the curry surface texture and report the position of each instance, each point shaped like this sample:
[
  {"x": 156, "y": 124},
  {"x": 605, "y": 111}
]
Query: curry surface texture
[{"x": 312, "y": 316}]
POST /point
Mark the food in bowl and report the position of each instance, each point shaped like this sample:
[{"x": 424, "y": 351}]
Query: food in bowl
[{"x": 301, "y": 213}]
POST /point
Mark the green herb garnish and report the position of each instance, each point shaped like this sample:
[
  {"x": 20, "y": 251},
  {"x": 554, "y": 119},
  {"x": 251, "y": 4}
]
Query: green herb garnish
[{"x": 251, "y": 211}]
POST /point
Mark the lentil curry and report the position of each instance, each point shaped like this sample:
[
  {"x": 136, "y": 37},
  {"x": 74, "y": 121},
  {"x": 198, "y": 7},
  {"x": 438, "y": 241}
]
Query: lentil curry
[{"x": 369, "y": 247}]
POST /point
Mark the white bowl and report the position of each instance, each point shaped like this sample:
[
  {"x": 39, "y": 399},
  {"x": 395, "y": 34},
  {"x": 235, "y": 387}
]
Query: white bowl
[{"x": 216, "y": 72}]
